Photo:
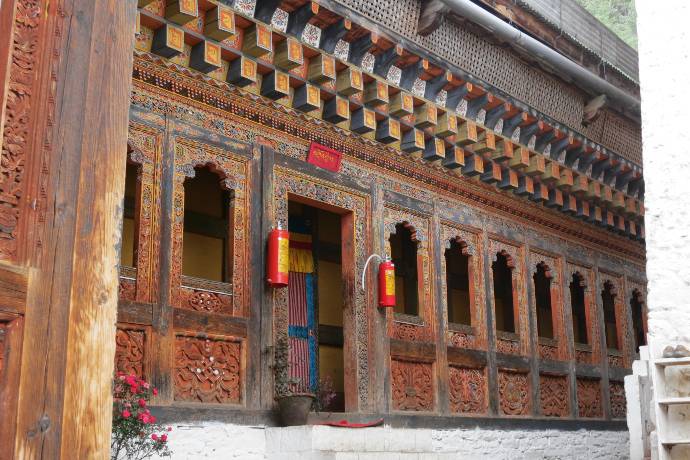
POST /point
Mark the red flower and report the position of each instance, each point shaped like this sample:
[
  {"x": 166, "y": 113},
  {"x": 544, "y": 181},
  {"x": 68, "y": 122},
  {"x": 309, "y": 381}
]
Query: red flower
[
  {"x": 169, "y": 428},
  {"x": 131, "y": 380},
  {"x": 126, "y": 413},
  {"x": 144, "y": 418},
  {"x": 154, "y": 436},
  {"x": 155, "y": 392},
  {"x": 134, "y": 389},
  {"x": 164, "y": 437},
  {"x": 141, "y": 402},
  {"x": 153, "y": 419}
]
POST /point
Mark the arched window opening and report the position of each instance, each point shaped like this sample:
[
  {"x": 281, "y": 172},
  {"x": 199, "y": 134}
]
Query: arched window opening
[
  {"x": 577, "y": 306},
  {"x": 542, "y": 295},
  {"x": 503, "y": 292},
  {"x": 636, "y": 306},
  {"x": 207, "y": 249},
  {"x": 130, "y": 224},
  {"x": 458, "y": 283},
  {"x": 608, "y": 302},
  {"x": 404, "y": 254}
]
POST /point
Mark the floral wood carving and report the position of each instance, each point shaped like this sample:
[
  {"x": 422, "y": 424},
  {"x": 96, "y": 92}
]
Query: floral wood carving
[
  {"x": 19, "y": 119},
  {"x": 617, "y": 398},
  {"x": 467, "y": 390},
  {"x": 207, "y": 370},
  {"x": 589, "y": 398},
  {"x": 548, "y": 352},
  {"x": 145, "y": 151},
  {"x": 554, "y": 396},
  {"x": 507, "y": 346},
  {"x": 130, "y": 351},
  {"x": 513, "y": 393},
  {"x": 412, "y": 386},
  {"x": 127, "y": 289},
  {"x": 205, "y": 301}
]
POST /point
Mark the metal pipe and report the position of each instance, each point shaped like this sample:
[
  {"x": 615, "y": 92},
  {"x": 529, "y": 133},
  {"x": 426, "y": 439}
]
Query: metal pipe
[{"x": 541, "y": 52}]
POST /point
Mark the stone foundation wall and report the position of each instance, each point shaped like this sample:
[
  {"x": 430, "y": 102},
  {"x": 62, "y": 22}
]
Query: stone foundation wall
[{"x": 225, "y": 441}]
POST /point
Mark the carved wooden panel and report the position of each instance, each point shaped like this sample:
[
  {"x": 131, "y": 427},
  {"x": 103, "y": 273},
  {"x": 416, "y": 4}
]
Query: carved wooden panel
[
  {"x": 205, "y": 296},
  {"x": 471, "y": 243},
  {"x": 127, "y": 289},
  {"x": 130, "y": 351},
  {"x": 554, "y": 395},
  {"x": 402, "y": 326},
  {"x": 235, "y": 173},
  {"x": 556, "y": 348},
  {"x": 520, "y": 343},
  {"x": 467, "y": 390},
  {"x": 617, "y": 399},
  {"x": 513, "y": 392},
  {"x": 413, "y": 387},
  {"x": 21, "y": 119},
  {"x": 584, "y": 354},
  {"x": 145, "y": 145},
  {"x": 208, "y": 370},
  {"x": 589, "y": 398},
  {"x": 291, "y": 182}
]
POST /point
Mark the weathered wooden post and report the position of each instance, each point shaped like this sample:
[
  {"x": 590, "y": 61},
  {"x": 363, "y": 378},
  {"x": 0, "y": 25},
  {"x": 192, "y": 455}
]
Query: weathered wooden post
[{"x": 66, "y": 78}]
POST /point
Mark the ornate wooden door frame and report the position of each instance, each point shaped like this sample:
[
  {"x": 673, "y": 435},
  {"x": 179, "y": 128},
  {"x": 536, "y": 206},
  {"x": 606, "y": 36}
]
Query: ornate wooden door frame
[{"x": 355, "y": 248}]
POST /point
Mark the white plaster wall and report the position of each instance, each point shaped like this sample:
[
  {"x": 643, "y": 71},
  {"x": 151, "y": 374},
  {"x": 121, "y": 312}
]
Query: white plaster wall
[
  {"x": 665, "y": 78},
  {"x": 223, "y": 441}
]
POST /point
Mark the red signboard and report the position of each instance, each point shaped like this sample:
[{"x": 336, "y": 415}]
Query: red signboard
[{"x": 324, "y": 157}]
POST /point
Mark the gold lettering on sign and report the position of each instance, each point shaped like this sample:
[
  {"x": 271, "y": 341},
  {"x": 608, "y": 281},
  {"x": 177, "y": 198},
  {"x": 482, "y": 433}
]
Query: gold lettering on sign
[
  {"x": 369, "y": 119},
  {"x": 227, "y": 19},
  {"x": 282, "y": 83},
  {"x": 407, "y": 102},
  {"x": 356, "y": 79},
  {"x": 188, "y": 7},
  {"x": 382, "y": 91},
  {"x": 328, "y": 66},
  {"x": 313, "y": 95},
  {"x": 249, "y": 69},
  {"x": 294, "y": 51},
  {"x": 343, "y": 107},
  {"x": 264, "y": 37},
  {"x": 394, "y": 126}
]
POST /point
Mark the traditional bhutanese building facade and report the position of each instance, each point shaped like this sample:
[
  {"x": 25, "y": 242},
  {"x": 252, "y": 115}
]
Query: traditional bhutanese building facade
[{"x": 511, "y": 206}]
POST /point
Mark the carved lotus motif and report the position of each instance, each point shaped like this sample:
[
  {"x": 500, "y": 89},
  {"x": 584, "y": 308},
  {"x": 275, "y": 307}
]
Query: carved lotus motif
[
  {"x": 412, "y": 387},
  {"x": 513, "y": 390}
]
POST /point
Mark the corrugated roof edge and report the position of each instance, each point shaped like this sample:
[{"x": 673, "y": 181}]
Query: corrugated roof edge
[{"x": 540, "y": 11}]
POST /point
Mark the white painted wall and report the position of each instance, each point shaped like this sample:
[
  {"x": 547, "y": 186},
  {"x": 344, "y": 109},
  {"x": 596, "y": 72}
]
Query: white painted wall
[
  {"x": 665, "y": 77},
  {"x": 223, "y": 441}
]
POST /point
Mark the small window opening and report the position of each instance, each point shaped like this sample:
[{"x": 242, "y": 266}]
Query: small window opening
[
  {"x": 577, "y": 305},
  {"x": 638, "y": 321},
  {"x": 128, "y": 251},
  {"x": 503, "y": 293},
  {"x": 458, "y": 283},
  {"x": 608, "y": 301},
  {"x": 542, "y": 294},
  {"x": 207, "y": 250},
  {"x": 404, "y": 255}
]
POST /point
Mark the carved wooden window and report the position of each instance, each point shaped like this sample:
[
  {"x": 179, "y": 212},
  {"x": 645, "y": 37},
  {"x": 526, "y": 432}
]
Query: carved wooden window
[
  {"x": 577, "y": 306},
  {"x": 542, "y": 296},
  {"x": 458, "y": 283},
  {"x": 130, "y": 218},
  {"x": 207, "y": 238},
  {"x": 404, "y": 254},
  {"x": 638, "y": 320},
  {"x": 503, "y": 292},
  {"x": 608, "y": 302}
]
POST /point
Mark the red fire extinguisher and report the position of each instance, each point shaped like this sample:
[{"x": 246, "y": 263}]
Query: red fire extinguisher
[
  {"x": 278, "y": 257},
  {"x": 386, "y": 284}
]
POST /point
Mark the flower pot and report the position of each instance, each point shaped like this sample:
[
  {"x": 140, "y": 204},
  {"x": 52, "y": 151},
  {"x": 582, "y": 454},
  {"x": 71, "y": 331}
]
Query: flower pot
[{"x": 294, "y": 409}]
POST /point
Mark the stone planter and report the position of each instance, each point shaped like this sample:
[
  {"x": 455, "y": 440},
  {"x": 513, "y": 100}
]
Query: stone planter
[{"x": 294, "y": 409}]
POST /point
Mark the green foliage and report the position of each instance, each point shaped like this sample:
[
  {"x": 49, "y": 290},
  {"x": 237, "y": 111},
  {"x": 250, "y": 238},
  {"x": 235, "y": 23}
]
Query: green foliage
[{"x": 617, "y": 15}]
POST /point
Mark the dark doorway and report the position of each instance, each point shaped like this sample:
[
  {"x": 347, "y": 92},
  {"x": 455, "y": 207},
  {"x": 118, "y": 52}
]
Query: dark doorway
[{"x": 316, "y": 241}]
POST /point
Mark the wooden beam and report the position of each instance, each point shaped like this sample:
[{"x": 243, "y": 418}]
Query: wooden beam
[
  {"x": 264, "y": 10},
  {"x": 298, "y": 19},
  {"x": 332, "y": 34},
  {"x": 430, "y": 17},
  {"x": 64, "y": 396}
]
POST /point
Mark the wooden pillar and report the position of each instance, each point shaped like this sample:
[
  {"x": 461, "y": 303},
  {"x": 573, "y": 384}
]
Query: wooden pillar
[{"x": 79, "y": 55}]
